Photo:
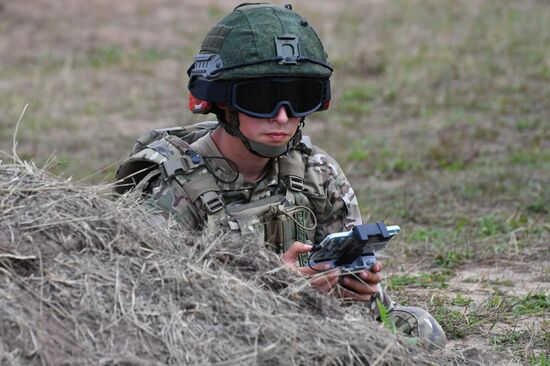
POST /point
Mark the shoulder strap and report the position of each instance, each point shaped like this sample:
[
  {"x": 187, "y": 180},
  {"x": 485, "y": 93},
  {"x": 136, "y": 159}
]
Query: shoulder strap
[
  {"x": 292, "y": 167},
  {"x": 198, "y": 183},
  {"x": 292, "y": 172}
]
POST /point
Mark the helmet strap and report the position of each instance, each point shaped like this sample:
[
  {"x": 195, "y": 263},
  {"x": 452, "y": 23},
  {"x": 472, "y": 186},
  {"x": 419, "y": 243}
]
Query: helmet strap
[{"x": 257, "y": 148}]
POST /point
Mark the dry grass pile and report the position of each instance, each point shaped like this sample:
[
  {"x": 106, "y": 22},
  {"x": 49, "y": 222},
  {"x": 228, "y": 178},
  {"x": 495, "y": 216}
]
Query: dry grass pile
[{"x": 85, "y": 279}]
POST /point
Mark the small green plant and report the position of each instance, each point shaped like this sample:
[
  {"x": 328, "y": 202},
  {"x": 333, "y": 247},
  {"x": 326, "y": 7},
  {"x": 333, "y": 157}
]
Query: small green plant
[
  {"x": 449, "y": 259},
  {"x": 541, "y": 360},
  {"x": 533, "y": 303},
  {"x": 525, "y": 124},
  {"x": 454, "y": 323},
  {"x": 428, "y": 235},
  {"x": 385, "y": 317},
  {"x": 511, "y": 339},
  {"x": 398, "y": 165},
  {"x": 461, "y": 300},
  {"x": 539, "y": 205},
  {"x": 491, "y": 225},
  {"x": 358, "y": 154}
]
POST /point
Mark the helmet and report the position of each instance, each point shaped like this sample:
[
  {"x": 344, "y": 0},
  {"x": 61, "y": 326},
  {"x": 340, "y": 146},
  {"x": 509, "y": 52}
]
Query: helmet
[{"x": 258, "y": 58}]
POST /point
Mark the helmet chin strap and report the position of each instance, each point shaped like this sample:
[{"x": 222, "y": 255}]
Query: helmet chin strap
[{"x": 257, "y": 148}]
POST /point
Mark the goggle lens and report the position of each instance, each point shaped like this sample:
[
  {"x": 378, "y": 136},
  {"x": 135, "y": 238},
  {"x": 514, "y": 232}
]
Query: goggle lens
[{"x": 264, "y": 98}]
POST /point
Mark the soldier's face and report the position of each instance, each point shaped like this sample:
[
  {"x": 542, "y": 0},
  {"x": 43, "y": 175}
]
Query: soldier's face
[{"x": 273, "y": 131}]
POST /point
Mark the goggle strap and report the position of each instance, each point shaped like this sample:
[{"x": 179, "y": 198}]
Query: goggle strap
[{"x": 210, "y": 91}]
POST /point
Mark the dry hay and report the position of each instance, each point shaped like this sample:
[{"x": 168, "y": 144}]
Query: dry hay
[{"x": 85, "y": 279}]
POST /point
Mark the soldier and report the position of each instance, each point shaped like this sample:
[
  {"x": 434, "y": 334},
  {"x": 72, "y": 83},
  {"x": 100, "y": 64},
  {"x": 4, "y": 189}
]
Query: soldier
[{"x": 262, "y": 70}]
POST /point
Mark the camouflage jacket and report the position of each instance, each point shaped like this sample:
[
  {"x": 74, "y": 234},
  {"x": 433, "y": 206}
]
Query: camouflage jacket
[{"x": 284, "y": 205}]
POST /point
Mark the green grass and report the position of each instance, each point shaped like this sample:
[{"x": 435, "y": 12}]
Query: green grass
[
  {"x": 357, "y": 100},
  {"x": 457, "y": 323},
  {"x": 461, "y": 300},
  {"x": 384, "y": 316},
  {"x": 533, "y": 303},
  {"x": 105, "y": 56},
  {"x": 451, "y": 258},
  {"x": 540, "y": 360},
  {"x": 131, "y": 57},
  {"x": 514, "y": 342},
  {"x": 425, "y": 280}
]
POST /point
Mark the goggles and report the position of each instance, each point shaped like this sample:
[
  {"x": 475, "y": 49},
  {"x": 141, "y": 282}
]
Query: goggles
[{"x": 263, "y": 98}]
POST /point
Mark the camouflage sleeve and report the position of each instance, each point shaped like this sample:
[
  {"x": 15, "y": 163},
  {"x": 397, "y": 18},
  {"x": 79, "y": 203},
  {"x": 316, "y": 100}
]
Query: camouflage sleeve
[
  {"x": 169, "y": 197},
  {"x": 334, "y": 201}
]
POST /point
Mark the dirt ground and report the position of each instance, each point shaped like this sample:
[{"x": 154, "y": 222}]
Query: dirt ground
[{"x": 439, "y": 117}]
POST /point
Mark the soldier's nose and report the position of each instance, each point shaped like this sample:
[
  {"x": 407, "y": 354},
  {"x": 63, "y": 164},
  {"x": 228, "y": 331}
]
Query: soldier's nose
[{"x": 281, "y": 116}]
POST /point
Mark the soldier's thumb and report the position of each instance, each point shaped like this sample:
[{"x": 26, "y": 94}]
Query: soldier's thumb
[
  {"x": 299, "y": 248},
  {"x": 290, "y": 256}
]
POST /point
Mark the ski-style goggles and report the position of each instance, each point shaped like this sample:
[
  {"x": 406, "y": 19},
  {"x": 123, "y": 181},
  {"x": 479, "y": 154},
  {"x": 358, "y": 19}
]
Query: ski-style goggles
[{"x": 263, "y": 98}]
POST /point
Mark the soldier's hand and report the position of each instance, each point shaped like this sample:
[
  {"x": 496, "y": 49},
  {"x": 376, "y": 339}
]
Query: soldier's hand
[
  {"x": 360, "y": 286},
  {"x": 320, "y": 277}
]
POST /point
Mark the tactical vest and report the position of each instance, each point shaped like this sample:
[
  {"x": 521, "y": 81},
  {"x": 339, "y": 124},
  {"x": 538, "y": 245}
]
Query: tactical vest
[{"x": 280, "y": 219}]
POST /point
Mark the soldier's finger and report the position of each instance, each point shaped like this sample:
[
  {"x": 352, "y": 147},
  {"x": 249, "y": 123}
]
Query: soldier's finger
[
  {"x": 376, "y": 267},
  {"x": 370, "y": 277},
  {"x": 291, "y": 255},
  {"x": 299, "y": 247}
]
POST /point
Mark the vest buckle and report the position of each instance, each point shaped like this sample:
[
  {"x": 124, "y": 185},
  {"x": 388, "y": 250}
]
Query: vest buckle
[
  {"x": 212, "y": 202},
  {"x": 295, "y": 183}
]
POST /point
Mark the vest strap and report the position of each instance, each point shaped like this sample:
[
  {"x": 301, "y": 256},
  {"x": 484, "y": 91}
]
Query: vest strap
[
  {"x": 291, "y": 170},
  {"x": 199, "y": 185},
  {"x": 212, "y": 202},
  {"x": 196, "y": 181}
]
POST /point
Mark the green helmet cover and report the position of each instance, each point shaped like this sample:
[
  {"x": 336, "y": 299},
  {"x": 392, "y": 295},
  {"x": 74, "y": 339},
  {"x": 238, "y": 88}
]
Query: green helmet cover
[{"x": 256, "y": 35}]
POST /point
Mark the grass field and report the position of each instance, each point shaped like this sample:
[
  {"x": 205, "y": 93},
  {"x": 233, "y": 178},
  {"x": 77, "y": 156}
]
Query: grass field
[{"x": 440, "y": 117}]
